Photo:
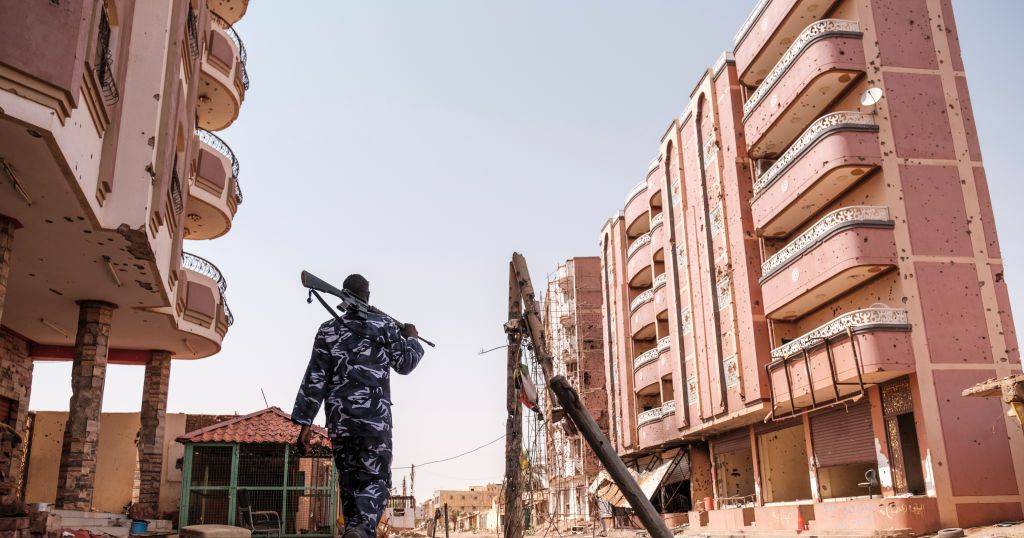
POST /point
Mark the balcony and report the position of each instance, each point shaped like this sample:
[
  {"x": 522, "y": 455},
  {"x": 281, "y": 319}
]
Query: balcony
[
  {"x": 826, "y": 59},
  {"x": 645, "y": 368},
  {"x": 636, "y": 212},
  {"x": 843, "y": 250},
  {"x": 201, "y": 306},
  {"x": 215, "y": 195},
  {"x": 840, "y": 358},
  {"x": 837, "y": 151},
  {"x": 638, "y": 261},
  {"x": 229, "y": 10},
  {"x": 223, "y": 78},
  {"x": 642, "y": 313},
  {"x": 648, "y": 424},
  {"x": 768, "y": 31}
]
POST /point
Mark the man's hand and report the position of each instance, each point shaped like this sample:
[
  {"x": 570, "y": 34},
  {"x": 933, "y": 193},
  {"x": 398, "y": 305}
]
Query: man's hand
[
  {"x": 409, "y": 330},
  {"x": 302, "y": 442}
]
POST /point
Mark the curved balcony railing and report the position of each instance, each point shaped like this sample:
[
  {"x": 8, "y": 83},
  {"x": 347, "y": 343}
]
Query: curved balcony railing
[
  {"x": 659, "y": 281},
  {"x": 645, "y": 297},
  {"x": 646, "y": 357},
  {"x": 749, "y": 22},
  {"x": 813, "y": 32},
  {"x": 649, "y": 416},
  {"x": 204, "y": 267},
  {"x": 668, "y": 408},
  {"x": 818, "y": 130},
  {"x": 875, "y": 316},
  {"x": 233, "y": 35},
  {"x": 664, "y": 344},
  {"x": 639, "y": 242},
  {"x": 229, "y": 318},
  {"x": 820, "y": 229},
  {"x": 657, "y": 220},
  {"x": 224, "y": 149},
  {"x": 635, "y": 191}
]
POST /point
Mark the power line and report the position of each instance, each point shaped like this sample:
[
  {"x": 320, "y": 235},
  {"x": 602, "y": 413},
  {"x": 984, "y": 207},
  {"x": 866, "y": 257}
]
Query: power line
[{"x": 456, "y": 456}]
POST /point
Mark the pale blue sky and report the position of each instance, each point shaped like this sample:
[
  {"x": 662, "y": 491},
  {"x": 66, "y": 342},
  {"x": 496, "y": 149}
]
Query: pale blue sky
[{"x": 420, "y": 143}]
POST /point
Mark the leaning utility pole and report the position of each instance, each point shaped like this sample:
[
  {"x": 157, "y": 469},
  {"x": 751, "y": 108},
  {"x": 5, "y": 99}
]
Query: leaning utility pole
[
  {"x": 514, "y": 422},
  {"x": 523, "y": 305}
]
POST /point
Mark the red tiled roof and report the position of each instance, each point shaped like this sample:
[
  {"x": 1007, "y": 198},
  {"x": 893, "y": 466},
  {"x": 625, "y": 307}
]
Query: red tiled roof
[{"x": 270, "y": 425}]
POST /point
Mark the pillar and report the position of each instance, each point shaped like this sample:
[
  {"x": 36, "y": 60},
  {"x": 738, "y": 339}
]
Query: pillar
[
  {"x": 701, "y": 479},
  {"x": 151, "y": 432},
  {"x": 77, "y": 471},
  {"x": 7, "y": 227}
]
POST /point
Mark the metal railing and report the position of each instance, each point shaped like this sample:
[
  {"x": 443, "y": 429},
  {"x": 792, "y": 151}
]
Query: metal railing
[
  {"x": 233, "y": 35},
  {"x": 176, "y": 199},
  {"x": 192, "y": 29},
  {"x": 105, "y": 62},
  {"x": 206, "y": 268},
  {"x": 657, "y": 220},
  {"x": 221, "y": 147}
]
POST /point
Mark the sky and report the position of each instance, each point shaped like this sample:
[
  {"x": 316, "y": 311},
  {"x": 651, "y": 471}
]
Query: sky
[{"x": 421, "y": 143}]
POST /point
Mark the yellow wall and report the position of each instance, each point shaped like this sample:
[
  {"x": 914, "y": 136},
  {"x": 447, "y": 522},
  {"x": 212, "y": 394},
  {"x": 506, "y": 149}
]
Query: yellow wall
[{"x": 116, "y": 463}]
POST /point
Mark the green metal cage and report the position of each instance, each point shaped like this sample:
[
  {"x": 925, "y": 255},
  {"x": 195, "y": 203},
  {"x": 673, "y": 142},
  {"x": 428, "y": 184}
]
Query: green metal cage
[{"x": 301, "y": 491}]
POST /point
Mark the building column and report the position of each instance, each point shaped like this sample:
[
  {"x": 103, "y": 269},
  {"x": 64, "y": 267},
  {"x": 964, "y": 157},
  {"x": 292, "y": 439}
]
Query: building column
[
  {"x": 77, "y": 471},
  {"x": 151, "y": 432},
  {"x": 7, "y": 227}
]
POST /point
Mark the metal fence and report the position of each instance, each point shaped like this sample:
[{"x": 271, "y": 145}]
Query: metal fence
[{"x": 302, "y": 492}]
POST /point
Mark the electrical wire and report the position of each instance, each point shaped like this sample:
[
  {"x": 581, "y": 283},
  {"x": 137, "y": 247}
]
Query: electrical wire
[{"x": 454, "y": 457}]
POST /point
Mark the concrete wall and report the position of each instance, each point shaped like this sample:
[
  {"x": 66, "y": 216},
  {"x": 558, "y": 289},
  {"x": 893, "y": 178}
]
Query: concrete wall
[{"x": 116, "y": 464}]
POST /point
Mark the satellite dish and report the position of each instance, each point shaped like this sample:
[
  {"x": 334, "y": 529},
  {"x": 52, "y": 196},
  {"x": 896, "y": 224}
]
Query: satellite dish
[{"x": 871, "y": 96}]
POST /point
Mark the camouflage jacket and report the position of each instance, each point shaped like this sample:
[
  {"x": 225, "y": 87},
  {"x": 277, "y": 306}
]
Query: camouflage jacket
[{"x": 350, "y": 369}]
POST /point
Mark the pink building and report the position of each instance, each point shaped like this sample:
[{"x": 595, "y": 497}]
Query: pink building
[
  {"x": 807, "y": 278},
  {"x": 108, "y": 163}
]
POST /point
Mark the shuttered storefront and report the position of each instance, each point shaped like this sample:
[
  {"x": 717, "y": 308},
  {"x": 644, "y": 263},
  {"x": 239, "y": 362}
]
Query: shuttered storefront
[
  {"x": 843, "y": 435},
  {"x": 734, "y": 441}
]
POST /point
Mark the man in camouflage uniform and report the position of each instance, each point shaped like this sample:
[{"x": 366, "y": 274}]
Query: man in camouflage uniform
[{"x": 350, "y": 369}]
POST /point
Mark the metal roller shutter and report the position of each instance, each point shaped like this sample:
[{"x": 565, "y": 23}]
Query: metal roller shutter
[
  {"x": 734, "y": 441},
  {"x": 843, "y": 435}
]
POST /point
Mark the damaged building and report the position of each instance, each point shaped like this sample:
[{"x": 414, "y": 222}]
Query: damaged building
[
  {"x": 805, "y": 280},
  {"x": 108, "y": 163},
  {"x": 572, "y": 320}
]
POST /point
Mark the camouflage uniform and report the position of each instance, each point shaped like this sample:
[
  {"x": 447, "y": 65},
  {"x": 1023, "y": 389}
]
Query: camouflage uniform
[{"x": 350, "y": 370}]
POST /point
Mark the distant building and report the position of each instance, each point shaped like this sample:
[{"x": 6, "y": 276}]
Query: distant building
[
  {"x": 108, "y": 163},
  {"x": 572, "y": 320},
  {"x": 462, "y": 503},
  {"x": 806, "y": 279}
]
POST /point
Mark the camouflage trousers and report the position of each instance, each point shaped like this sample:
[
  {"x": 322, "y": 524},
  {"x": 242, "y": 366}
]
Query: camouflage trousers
[{"x": 364, "y": 477}]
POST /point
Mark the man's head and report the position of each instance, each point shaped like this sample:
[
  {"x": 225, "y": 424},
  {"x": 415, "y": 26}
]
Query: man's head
[{"x": 358, "y": 285}]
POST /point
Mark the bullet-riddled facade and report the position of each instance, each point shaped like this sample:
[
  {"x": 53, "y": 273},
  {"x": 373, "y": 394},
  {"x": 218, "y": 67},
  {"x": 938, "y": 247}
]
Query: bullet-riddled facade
[
  {"x": 108, "y": 164},
  {"x": 572, "y": 320},
  {"x": 807, "y": 278}
]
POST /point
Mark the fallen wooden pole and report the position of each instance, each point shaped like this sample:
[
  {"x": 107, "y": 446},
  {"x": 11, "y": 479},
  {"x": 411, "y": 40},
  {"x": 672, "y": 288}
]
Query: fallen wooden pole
[{"x": 591, "y": 432}]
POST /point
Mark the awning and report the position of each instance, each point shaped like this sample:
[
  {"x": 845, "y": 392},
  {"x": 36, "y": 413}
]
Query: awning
[{"x": 650, "y": 480}]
